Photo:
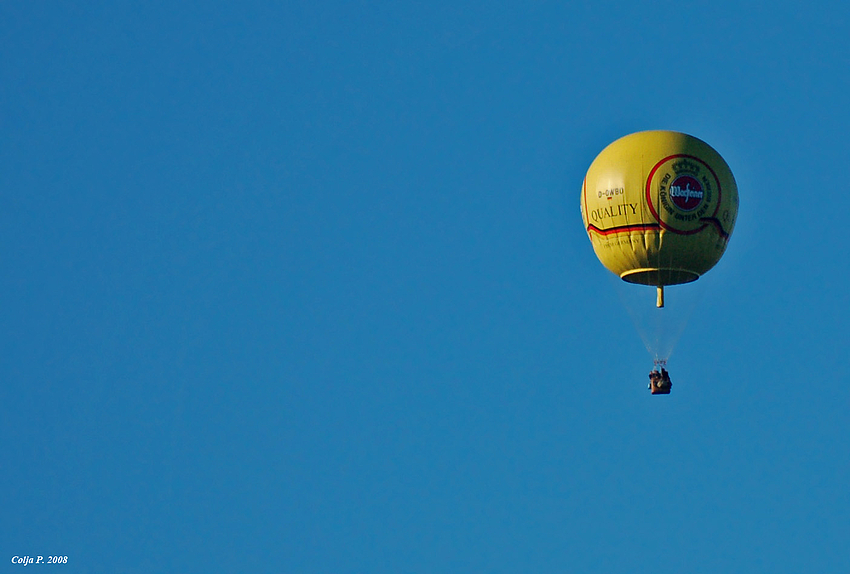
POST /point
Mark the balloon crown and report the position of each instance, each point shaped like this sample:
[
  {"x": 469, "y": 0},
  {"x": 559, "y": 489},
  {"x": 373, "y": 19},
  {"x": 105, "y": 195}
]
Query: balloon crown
[{"x": 685, "y": 166}]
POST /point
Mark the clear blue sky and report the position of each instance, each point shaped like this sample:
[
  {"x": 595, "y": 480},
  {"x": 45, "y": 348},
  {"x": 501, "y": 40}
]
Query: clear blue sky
[{"x": 303, "y": 287}]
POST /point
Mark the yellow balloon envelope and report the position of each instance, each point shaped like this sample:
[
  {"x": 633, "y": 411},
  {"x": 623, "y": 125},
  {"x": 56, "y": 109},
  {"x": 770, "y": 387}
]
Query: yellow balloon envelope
[{"x": 659, "y": 207}]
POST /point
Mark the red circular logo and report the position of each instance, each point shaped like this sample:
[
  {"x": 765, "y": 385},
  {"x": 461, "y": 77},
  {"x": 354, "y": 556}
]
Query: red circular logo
[{"x": 686, "y": 192}]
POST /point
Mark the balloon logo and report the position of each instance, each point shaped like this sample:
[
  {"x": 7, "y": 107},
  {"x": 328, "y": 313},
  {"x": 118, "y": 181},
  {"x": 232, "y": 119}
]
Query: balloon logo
[{"x": 686, "y": 192}]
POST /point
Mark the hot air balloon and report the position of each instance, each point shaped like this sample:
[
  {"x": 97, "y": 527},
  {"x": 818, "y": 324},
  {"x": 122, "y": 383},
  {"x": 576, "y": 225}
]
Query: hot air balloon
[{"x": 659, "y": 208}]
